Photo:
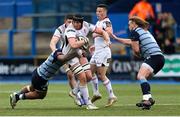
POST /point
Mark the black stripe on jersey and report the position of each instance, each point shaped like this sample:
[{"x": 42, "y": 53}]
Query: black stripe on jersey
[
  {"x": 43, "y": 74},
  {"x": 66, "y": 41},
  {"x": 59, "y": 30},
  {"x": 149, "y": 49},
  {"x": 139, "y": 29},
  {"x": 55, "y": 62},
  {"x": 70, "y": 30},
  {"x": 148, "y": 43},
  {"x": 47, "y": 70},
  {"x": 155, "y": 51},
  {"x": 50, "y": 60},
  {"x": 143, "y": 34},
  {"x": 145, "y": 38},
  {"x": 51, "y": 66}
]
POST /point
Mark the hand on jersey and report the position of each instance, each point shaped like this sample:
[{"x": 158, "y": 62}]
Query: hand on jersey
[
  {"x": 56, "y": 53},
  {"x": 86, "y": 42},
  {"x": 92, "y": 49}
]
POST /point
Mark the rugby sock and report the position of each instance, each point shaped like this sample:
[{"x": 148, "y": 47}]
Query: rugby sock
[
  {"x": 22, "y": 96},
  {"x": 145, "y": 87},
  {"x": 85, "y": 94},
  {"x": 109, "y": 89},
  {"x": 94, "y": 83},
  {"x": 75, "y": 90}
]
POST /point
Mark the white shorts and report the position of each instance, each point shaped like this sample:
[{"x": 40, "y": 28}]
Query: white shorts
[
  {"x": 101, "y": 57},
  {"x": 73, "y": 61}
]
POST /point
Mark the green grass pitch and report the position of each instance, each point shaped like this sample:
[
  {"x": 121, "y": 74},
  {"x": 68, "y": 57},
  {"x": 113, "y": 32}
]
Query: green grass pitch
[{"x": 58, "y": 103}]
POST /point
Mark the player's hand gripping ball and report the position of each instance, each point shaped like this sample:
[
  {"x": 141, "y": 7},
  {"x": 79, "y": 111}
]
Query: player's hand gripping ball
[{"x": 86, "y": 40}]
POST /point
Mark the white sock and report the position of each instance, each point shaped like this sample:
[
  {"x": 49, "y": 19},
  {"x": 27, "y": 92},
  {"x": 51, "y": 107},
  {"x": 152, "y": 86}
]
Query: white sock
[
  {"x": 21, "y": 96},
  {"x": 109, "y": 89},
  {"x": 85, "y": 94},
  {"x": 94, "y": 83},
  {"x": 75, "y": 90},
  {"x": 147, "y": 96}
]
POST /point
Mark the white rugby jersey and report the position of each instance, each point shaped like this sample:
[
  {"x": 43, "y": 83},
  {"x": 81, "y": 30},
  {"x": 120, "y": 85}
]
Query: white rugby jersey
[
  {"x": 59, "y": 32},
  {"x": 98, "y": 39},
  {"x": 70, "y": 31}
]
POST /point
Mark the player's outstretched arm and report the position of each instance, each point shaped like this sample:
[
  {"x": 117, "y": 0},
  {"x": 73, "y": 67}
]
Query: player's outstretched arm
[
  {"x": 69, "y": 56},
  {"x": 53, "y": 43},
  {"x": 121, "y": 40}
]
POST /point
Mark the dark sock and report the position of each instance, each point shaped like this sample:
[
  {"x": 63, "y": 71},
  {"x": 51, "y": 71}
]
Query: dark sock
[{"x": 145, "y": 86}]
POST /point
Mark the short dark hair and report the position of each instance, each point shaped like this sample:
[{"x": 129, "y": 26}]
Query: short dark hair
[
  {"x": 78, "y": 17},
  {"x": 69, "y": 16},
  {"x": 103, "y": 6}
]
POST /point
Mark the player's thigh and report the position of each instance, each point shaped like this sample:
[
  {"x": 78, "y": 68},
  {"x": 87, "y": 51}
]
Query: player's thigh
[
  {"x": 101, "y": 72},
  {"x": 93, "y": 68},
  {"x": 144, "y": 72}
]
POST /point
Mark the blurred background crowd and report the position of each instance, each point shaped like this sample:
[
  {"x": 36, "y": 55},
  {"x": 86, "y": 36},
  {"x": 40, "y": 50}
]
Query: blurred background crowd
[{"x": 27, "y": 26}]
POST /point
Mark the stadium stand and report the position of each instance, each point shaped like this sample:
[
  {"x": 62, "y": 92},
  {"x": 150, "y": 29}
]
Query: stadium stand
[{"x": 26, "y": 26}]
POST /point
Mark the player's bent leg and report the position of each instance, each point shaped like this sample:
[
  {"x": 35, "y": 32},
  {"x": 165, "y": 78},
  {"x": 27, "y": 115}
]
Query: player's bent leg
[{"x": 107, "y": 83}]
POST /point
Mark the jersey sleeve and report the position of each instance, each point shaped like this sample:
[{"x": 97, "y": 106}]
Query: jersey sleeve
[
  {"x": 134, "y": 36},
  {"x": 106, "y": 24},
  {"x": 70, "y": 32},
  {"x": 58, "y": 32},
  {"x": 91, "y": 27}
]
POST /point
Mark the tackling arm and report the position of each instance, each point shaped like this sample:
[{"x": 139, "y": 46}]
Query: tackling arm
[
  {"x": 53, "y": 43},
  {"x": 122, "y": 40}
]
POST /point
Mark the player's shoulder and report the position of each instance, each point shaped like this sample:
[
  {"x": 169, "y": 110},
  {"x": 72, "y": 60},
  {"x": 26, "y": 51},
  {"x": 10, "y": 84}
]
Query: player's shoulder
[
  {"x": 70, "y": 28},
  {"x": 106, "y": 19},
  {"x": 61, "y": 28},
  {"x": 86, "y": 24}
]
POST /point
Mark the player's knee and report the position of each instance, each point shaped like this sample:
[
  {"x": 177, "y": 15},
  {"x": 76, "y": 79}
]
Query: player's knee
[
  {"x": 140, "y": 77},
  {"x": 82, "y": 78},
  {"x": 70, "y": 75}
]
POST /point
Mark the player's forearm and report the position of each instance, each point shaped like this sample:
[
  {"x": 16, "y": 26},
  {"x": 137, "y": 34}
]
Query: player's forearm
[
  {"x": 67, "y": 57},
  {"x": 106, "y": 36},
  {"x": 124, "y": 41},
  {"x": 137, "y": 54},
  {"x": 52, "y": 46},
  {"x": 77, "y": 44},
  {"x": 53, "y": 43}
]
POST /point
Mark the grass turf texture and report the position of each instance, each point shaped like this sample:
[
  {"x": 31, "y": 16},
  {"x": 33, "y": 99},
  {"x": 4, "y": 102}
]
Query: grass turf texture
[{"x": 58, "y": 103}]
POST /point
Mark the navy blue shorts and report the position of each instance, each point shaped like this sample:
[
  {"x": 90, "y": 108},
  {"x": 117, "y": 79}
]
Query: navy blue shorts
[
  {"x": 156, "y": 62},
  {"x": 38, "y": 82}
]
